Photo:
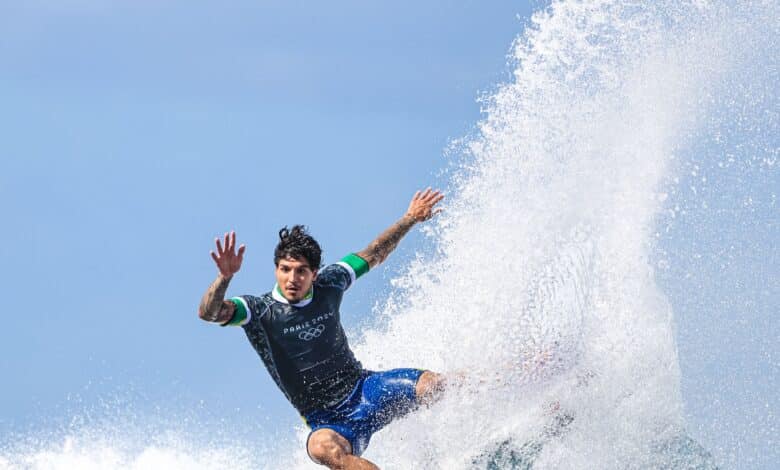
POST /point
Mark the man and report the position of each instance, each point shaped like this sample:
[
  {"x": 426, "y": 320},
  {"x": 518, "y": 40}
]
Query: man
[{"x": 297, "y": 332}]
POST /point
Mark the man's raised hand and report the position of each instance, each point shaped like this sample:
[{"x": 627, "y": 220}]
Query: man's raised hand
[
  {"x": 228, "y": 261},
  {"x": 421, "y": 207}
]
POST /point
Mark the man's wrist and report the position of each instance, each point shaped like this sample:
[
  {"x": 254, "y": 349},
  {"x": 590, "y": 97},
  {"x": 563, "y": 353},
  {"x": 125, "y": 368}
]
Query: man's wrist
[{"x": 409, "y": 218}]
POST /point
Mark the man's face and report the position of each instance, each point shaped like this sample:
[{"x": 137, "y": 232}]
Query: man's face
[{"x": 295, "y": 278}]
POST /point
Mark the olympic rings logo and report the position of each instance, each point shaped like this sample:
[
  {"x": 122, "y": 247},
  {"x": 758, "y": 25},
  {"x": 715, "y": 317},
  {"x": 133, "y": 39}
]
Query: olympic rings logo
[{"x": 311, "y": 333}]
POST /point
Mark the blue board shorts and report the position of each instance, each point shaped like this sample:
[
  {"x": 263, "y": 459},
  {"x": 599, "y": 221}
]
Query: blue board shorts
[{"x": 377, "y": 399}]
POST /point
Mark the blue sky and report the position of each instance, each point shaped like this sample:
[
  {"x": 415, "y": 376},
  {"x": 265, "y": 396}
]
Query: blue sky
[{"x": 133, "y": 133}]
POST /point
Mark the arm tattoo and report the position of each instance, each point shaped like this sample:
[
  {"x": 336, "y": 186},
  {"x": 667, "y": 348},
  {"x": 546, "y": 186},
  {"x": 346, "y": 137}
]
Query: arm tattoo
[
  {"x": 213, "y": 307},
  {"x": 378, "y": 250}
]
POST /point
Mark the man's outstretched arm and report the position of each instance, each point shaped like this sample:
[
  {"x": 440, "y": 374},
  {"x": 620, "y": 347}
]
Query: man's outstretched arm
[
  {"x": 213, "y": 306},
  {"x": 420, "y": 209}
]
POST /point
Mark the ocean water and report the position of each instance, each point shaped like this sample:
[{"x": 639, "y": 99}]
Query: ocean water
[{"x": 542, "y": 277}]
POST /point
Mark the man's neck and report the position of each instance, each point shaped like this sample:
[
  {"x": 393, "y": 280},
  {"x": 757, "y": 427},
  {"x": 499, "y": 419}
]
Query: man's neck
[{"x": 279, "y": 296}]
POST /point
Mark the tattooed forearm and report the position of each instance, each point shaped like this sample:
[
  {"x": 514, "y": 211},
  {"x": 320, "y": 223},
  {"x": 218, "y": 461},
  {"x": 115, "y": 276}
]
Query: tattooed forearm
[
  {"x": 378, "y": 250},
  {"x": 213, "y": 307}
]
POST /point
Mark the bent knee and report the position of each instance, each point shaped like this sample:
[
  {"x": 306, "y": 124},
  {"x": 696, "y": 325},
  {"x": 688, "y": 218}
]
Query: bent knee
[
  {"x": 429, "y": 387},
  {"x": 327, "y": 447}
]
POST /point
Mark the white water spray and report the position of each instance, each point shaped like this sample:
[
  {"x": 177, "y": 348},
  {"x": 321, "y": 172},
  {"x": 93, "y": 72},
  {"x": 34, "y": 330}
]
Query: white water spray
[{"x": 543, "y": 274}]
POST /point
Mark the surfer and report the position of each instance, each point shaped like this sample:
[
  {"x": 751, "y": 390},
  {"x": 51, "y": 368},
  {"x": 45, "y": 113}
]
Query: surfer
[{"x": 296, "y": 329}]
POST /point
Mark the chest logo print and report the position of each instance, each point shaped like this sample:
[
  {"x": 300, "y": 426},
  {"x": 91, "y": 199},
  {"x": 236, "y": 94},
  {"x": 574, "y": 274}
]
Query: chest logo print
[{"x": 311, "y": 333}]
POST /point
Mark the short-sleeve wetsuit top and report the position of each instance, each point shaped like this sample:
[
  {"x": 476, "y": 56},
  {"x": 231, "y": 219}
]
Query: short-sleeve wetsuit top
[{"x": 303, "y": 345}]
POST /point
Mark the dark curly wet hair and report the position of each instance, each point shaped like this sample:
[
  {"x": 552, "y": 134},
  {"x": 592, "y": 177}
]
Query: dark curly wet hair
[{"x": 296, "y": 243}]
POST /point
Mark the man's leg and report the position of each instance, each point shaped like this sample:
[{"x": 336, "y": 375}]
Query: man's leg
[
  {"x": 429, "y": 387},
  {"x": 329, "y": 448}
]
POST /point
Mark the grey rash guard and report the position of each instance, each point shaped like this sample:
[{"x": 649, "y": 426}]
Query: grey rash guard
[{"x": 303, "y": 345}]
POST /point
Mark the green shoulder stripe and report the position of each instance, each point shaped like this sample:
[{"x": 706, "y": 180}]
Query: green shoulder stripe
[
  {"x": 358, "y": 264},
  {"x": 241, "y": 314}
]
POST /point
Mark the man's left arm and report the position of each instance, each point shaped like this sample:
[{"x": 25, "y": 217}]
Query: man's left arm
[{"x": 420, "y": 209}]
